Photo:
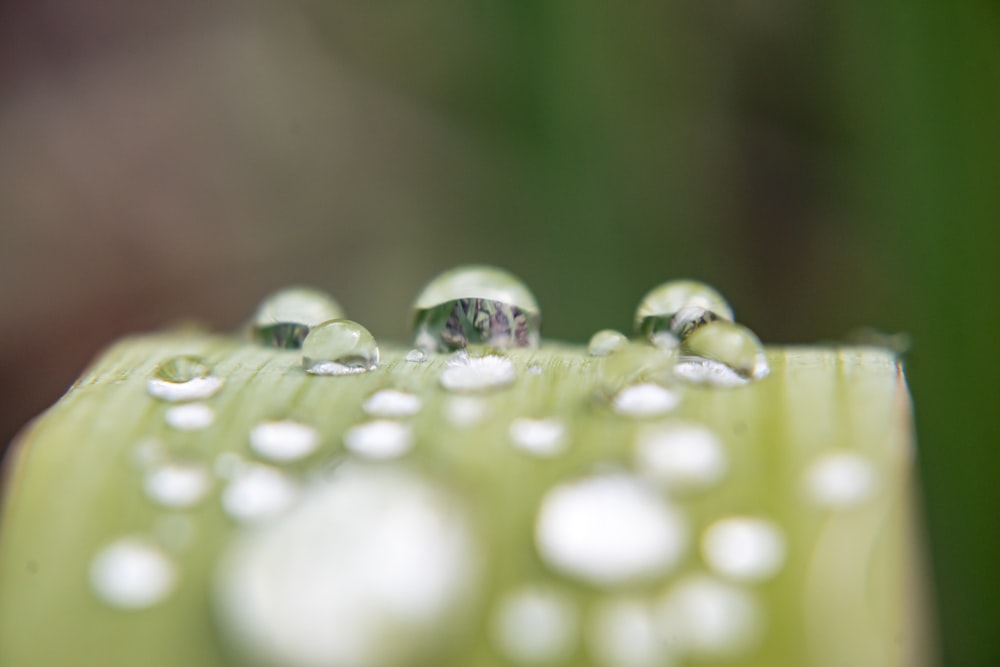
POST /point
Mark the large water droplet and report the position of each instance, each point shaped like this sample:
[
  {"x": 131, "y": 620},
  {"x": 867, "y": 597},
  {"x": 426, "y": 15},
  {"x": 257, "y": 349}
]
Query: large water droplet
[
  {"x": 609, "y": 530},
  {"x": 373, "y": 567},
  {"x": 465, "y": 373},
  {"x": 705, "y": 617},
  {"x": 731, "y": 344},
  {"x": 184, "y": 378},
  {"x": 535, "y": 626},
  {"x": 177, "y": 484},
  {"x": 622, "y": 633},
  {"x": 679, "y": 307},
  {"x": 541, "y": 437},
  {"x": 132, "y": 573},
  {"x": 379, "y": 440},
  {"x": 284, "y": 440},
  {"x": 606, "y": 341},
  {"x": 284, "y": 318},
  {"x": 743, "y": 548},
  {"x": 475, "y": 305},
  {"x": 682, "y": 456},
  {"x": 258, "y": 492},
  {"x": 339, "y": 347},
  {"x": 840, "y": 479}
]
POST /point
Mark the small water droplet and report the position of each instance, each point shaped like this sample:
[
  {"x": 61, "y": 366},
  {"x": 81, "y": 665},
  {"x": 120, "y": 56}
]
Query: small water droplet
[
  {"x": 702, "y": 616},
  {"x": 609, "y": 530},
  {"x": 183, "y": 378},
  {"x": 177, "y": 484},
  {"x": 743, "y": 548},
  {"x": 132, "y": 573},
  {"x": 416, "y": 355},
  {"x": 731, "y": 344},
  {"x": 190, "y": 417},
  {"x": 840, "y": 479},
  {"x": 535, "y": 625},
  {"x": 465, "y": 411},
  {"x": 284, "y": 440},
  {"x": 645, "y": 400},
  {"x": 379, "y": 440},
  {"x": 682, "y": 456},
  {"x": 606, "y": 341},
  {"x": 373, "y": 567},
  {"x": 392, "y": 403},
  {"x": 679, "y": 307},
  {"x": 541, "y": 437},
  {"x": 475, "y": 305},
  {"x": 258, "y": 492},
  {"x": 464, "y": 373},
  {"x": 535, "y": 369},
  {"x": 623, "y": 633},
  {"x": 284, "y": 318},
  {"x": 339, "y": 347}
]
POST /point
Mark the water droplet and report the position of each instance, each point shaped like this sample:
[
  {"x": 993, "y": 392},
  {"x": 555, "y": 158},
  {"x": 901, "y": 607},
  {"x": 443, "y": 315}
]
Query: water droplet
[
  {"x": 466, "y": 373},
  {"x": 379, "y": 440},
  {"x": 606, "y": 341},
  {"x": 339, "y": 347},
  {"x": 682, "y": 456},
  {"x": 475, "y": 305},
  {"x": 535, "y": 625},
  {"x": 284, "y": 318},
  {"x": 535, "y": 369},
  {"x": 706, "y": 617},
  {"x": 679, "y": 307},
  {"x": 541, "y": 437},
  {"x": 840, "y": 479},
  {"x": 379, "y": 557},
  {"x": 132, "y": 573},
  {"x": 706, "y": 371},
  {"x": 190, "y": 417},
  {"x": 392, "y": 403},
  {"x": 465, "y": 411},
  {"x": 416, "y": 355},
  {"x": 645, "y": 400},
  {"x": 258, "y": 492},
  {"x": 283, "y": 440},
  {"x": 608, "y": 530},
  {"x": 743, "y": 549},
  {"x": 731, "y": 344},
  {"x": 623, "y": 633},
  {"x": 183, "y": 378},
  {"x": 177, "y": 484}
]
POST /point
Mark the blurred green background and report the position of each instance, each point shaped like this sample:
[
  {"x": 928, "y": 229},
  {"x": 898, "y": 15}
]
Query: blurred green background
[{"x": 826, "y": 164}]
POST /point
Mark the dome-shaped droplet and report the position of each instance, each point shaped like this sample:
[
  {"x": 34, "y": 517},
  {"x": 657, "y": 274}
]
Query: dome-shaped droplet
[
  {"x": 339, "y": 347},
  {"x": 731, "y": 344},
  {"x": 679, "y": 307},
  {"x": 283, "y": 319},
  {"x": 475, "y": 305},
  {"x": 183, "y": 378},
  {"x": 606, "y": 341}
]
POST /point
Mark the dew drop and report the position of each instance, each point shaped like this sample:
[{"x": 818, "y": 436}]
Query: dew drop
[
  {"x": 183, "y": 378},
  {"x": 464, "y": 373},
  {"x": 258, "y": 492},
  {"x": 416, "y": 355},
  {"x": 373, "y": 567},
  {"x": 177, "y": 484},
  {"x": 682, "y": 456},
  {"x": 535, "y": 626},
  {"x": 465, "y": 411},
  {"x": 283, "y": 440},
  {"x": 535, "y": 369},
  {"x": 840, "y": 479},
  {"x": 541, "y": 437},
  {"x": 623, "y": 633},
  {"x": 702, "y": 616},
  {"x": 608, "y": 530},
  {"x": 132, "y": 573},
  {"x": 339, "y": 347},
  {"x": 606, "y": 341},
  {"x": 679, "y": 307},
  {"x": 731, "y": 344},
  {"x": 475, "y": 305},
  {"x": 392, "y": 403},
  {"x": 284, "y": 318},
  {"x": 646, "y": 399},
  {"x": 706, "y": 371},
  {"x": 379, "y": 440},
  {"x": 743, "y": 549},
  {"x": 190, "y": 417}
]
